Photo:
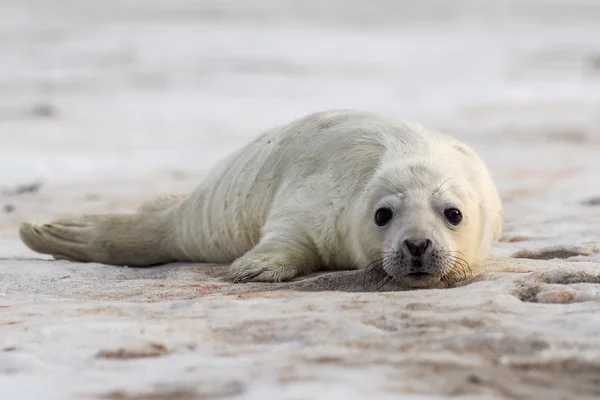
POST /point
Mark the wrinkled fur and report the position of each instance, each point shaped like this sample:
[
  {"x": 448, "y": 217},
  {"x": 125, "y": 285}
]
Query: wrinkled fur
[{"x": 298, "y": 199}]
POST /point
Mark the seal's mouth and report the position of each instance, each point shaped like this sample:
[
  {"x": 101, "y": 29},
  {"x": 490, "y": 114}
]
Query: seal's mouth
[
  {"x": 420, "y": 280},
  {"x": 419, "y": 276}
]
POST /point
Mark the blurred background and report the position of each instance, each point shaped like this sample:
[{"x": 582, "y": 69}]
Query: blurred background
[{"x": 99, "y": 90}]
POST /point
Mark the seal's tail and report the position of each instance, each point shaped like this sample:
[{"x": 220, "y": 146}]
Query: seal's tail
[{"x": 140, "y": 239}]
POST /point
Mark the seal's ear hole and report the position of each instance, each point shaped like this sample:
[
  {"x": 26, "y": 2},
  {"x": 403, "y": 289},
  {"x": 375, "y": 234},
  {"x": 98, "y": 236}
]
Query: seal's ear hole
[
  {"x": 463, "y": 150},
  {"x": 383, "y": 216}
]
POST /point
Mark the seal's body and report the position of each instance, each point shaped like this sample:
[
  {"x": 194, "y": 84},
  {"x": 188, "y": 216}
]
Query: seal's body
[{"x": 332, "y": 190}]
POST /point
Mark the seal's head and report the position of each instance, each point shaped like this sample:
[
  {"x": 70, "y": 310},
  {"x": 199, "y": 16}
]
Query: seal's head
[{"x": 432, "y": 219}]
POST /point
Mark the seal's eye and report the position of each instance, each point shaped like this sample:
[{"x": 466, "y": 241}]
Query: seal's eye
[
  {"x": 383, "y": 216},
  {"x": 453, "y": 215}
]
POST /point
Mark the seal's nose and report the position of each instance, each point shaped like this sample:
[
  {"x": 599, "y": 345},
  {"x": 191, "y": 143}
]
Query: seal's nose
[{"x": 417, "y": 247}]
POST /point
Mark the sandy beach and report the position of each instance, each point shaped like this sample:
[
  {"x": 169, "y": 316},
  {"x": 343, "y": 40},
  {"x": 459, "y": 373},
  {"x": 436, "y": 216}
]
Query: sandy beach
[{"x": 106, "y": 104}]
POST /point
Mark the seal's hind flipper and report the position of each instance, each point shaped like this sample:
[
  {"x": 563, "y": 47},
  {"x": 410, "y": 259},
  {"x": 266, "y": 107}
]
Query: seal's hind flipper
[{"x": 127, "y": 239}]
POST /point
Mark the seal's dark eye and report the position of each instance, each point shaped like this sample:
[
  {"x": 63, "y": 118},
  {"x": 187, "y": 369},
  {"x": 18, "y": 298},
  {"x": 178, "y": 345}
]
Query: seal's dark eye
[
  {"x": 383, "y": 216},
  {"x": 453, "y": 215}
]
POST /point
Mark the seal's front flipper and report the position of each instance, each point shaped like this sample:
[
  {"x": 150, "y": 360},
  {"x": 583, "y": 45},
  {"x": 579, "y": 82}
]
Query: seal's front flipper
[
  {"x": 254, "y": 267},
  {"x": 128, "y": 239},
  {"x": 278, "y": 257}
]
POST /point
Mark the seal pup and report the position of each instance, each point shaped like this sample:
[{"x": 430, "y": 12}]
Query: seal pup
[{"x": 340, "y": 189}]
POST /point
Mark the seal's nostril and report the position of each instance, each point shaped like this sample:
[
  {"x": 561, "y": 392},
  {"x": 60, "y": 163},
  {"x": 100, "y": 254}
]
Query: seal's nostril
[{"x": 417, "y": 247}]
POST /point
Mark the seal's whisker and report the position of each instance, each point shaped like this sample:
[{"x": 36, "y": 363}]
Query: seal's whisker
[
  {"x": 386, "y": 280},
  {"x": 372, "y": 270},
  {"x": 460, "y": 261},
  {"x": 463, "y": 263},
  {"x": 390, "y": 182},
  {"x": 454, "y": 251},
  {"x": 454, "y": 274},
  {"x": 455, "y": 267},
  {"x": 445, "y": 190},
  {"x": 439, "y": 187}
]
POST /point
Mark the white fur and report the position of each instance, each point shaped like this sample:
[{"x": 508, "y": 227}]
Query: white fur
[{"x": 301, "y": 198}]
